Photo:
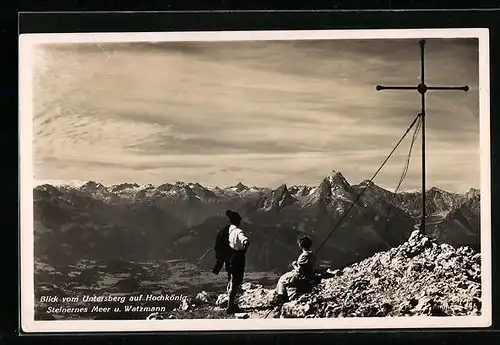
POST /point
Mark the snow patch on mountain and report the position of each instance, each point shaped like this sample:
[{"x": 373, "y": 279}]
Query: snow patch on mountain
[{"x": 60, "y": 183}]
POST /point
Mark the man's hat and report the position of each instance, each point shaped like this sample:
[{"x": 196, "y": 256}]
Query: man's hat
[{"x": 233, "y": 216}]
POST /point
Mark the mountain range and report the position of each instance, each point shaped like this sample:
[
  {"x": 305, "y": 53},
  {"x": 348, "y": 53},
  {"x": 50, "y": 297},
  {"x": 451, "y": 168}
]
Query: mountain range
[{"x": 180, "y": 220}]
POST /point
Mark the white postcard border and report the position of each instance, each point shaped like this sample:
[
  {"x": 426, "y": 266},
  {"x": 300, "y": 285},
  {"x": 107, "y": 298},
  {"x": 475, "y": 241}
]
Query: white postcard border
[{"x": 29, "y": 324}]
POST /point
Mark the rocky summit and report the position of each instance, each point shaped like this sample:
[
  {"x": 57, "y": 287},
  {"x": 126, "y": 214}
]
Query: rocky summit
[{"x": 419, "y": 277}]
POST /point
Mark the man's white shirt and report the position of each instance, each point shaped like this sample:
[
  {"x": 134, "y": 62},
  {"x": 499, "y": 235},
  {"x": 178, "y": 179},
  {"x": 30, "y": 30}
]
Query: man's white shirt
[{"x": 236, "y": 238}]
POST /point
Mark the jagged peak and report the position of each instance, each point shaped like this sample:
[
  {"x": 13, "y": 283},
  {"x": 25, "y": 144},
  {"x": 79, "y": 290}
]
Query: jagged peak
[
  {"x": 93, "y": 184},
  {"x": 194, "y": 185},
  {"x": 436, "y": 189},
  {"x": 473, "y": 193},
  {"x": 370, "y": 184},
  {"x": 442, "y": 192},
  {"x": 125, "y": 185},
  {"x": 240, "y": 187},
  {"x": 336, "y": 179},
  {"x": 283, "y": 187},
  {"x": 282, "y": 191},
  {"x": 333, "y": 172},
  {"x": 373, "y": 186},
  {"x": 165, "y": 187},
  {"x": 47, "y": 187}
]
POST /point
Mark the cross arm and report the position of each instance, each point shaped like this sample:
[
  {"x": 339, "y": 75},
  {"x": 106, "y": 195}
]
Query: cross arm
[
  {"x": 464, "y": 88},
  {"x": 381, "y": 87}
]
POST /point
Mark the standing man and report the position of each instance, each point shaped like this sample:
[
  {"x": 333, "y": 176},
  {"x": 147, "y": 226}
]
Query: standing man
[{"x": 238, "y": 242}]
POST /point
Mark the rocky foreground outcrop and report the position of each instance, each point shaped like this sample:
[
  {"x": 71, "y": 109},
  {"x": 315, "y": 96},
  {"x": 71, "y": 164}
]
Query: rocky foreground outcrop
[{"x": 419, "y": 277}]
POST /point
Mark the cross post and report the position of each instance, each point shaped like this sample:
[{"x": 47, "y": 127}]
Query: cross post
[{"x": 422, "y": 88}]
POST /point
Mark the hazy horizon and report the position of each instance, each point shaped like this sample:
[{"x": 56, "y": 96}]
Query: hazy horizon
[
  {"x": 79, "y": 183},
  {"x": 260, "y": 113}
]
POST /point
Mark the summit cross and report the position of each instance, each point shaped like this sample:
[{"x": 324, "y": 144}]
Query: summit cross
[{"x": 422, "y": 88}]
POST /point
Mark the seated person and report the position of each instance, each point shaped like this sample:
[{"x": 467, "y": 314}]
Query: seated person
[{"x": 303, "y": 271}]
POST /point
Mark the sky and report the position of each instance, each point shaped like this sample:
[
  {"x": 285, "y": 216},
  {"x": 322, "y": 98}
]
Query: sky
[{"x": 261, "y": 113}]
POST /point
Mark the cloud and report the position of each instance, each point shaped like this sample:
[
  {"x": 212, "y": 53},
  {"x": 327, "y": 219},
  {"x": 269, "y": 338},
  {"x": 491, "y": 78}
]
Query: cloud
[{"x": 258, "y": 112}]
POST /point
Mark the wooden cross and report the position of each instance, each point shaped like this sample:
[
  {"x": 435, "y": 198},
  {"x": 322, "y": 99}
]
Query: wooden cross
[{"x": 422, "y": 88}]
